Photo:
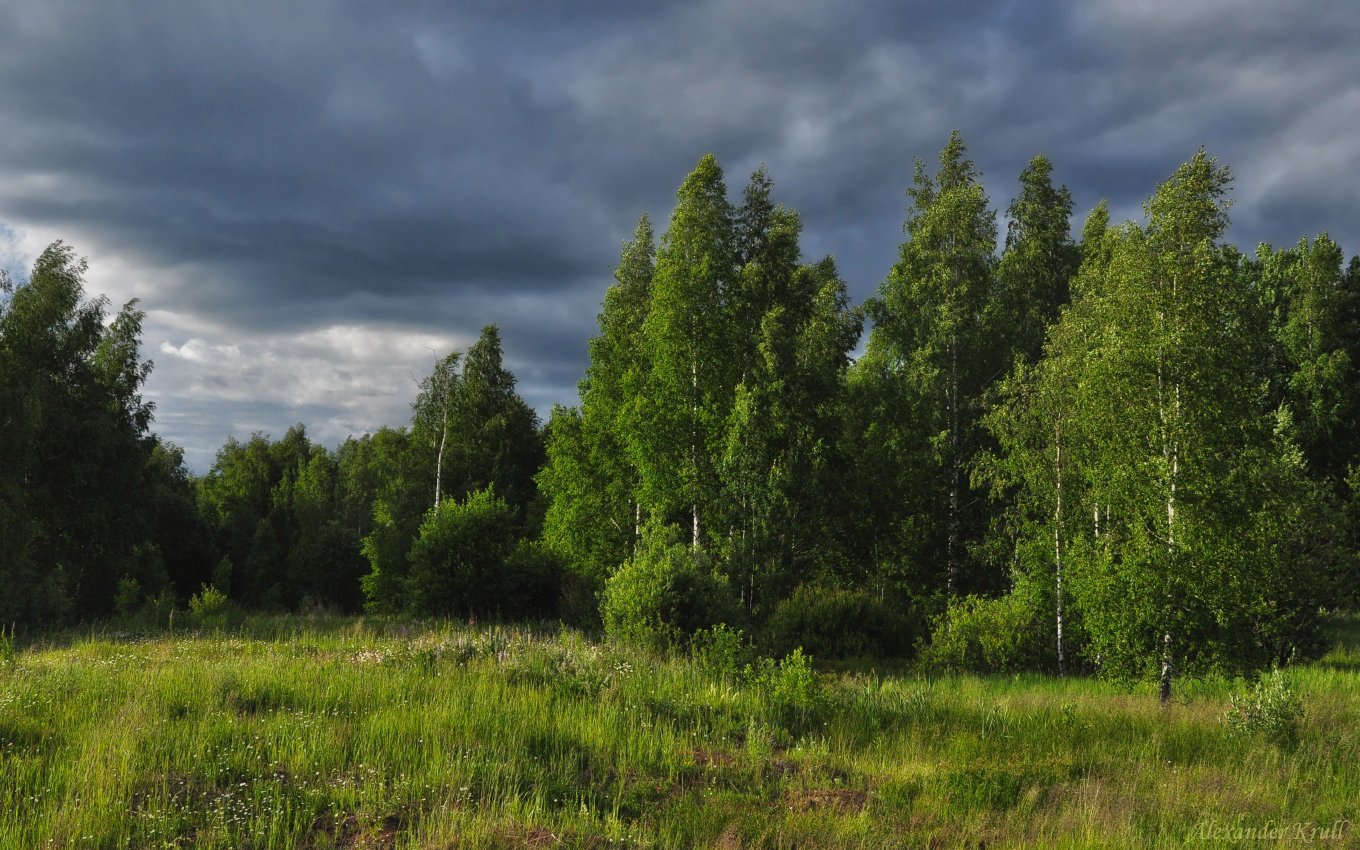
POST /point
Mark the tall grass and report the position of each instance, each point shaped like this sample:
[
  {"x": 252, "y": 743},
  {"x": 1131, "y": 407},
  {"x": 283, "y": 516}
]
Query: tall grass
[{"x": 347, "y": 733}]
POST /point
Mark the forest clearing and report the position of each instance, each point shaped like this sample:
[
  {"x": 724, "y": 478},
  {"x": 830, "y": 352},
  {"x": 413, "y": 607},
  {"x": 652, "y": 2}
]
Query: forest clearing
[
  {"x": 1052, "y": 540},
  {"x": 336, "y": 732}
]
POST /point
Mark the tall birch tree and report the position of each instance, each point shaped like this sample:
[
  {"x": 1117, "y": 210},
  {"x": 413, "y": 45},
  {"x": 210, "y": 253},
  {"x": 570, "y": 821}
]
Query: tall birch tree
[
  {"x": 1037, "y": 265},
  {"x": 1151, "y": 395},
  {"x": 594, "y": 516},
  {"x": 676, "y": 431},
  {"x": 929, "y": 341}
]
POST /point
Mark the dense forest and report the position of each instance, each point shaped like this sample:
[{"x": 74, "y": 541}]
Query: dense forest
[{"x": 1133, "y": 452}]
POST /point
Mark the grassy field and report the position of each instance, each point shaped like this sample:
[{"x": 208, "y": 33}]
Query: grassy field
[{"x": 345, "y": 733}]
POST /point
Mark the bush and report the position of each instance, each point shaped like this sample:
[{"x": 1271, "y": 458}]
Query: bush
[
  {"x": 126, "y": 597},
  {"x": 210, "y": 607},
  {"x": 986, "y": 636},
  {"x": 1273, "y": 710},
  {"x": 664, "y": 594},
  {"x": 7, "y": 651},
  {"x": 832, "y": 623},
  {"x": 721, "y": 649},
  {"x": 221, "y": 576},
  {"x": 794, "y": 695},
  {"x": 157, "y": 610},
  {"x": 458, "y": 560}
]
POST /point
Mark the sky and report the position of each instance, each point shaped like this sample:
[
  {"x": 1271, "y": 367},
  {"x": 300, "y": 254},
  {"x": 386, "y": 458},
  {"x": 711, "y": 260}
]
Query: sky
[{"x": 314, "y": 200}]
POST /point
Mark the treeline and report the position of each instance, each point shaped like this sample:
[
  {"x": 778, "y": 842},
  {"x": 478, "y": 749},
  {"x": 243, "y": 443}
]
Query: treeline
[
  {"x": 296, "y": 524},
  {"x": 1133, "y": 451}
]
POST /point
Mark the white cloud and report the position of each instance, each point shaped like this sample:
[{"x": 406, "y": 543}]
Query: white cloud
[{"x": 339, "y": 380}]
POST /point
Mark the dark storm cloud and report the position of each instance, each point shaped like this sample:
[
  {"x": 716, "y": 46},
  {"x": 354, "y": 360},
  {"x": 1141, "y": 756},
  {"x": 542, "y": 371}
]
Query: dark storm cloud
[{"x": 309, "y": 197}]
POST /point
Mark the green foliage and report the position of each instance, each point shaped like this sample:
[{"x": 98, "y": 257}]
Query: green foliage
[
  {"x": 210, "y": 608},
  {"x": 664, "y": 594},
  {"x": 590, "y": 518},
  {"x": 473, "y": 427},
  {"x": 986, "y": 636},
  {"x": 181, "y": 535},
  {"x": 1173, "y": 480},
  {"x": 929, "y": 359},
  {"x": 837, "y": 623},
  {"x": 794, "y": 694},
  {"x": 127, "y": 596},
  {"x": 221, "y": 576},
  {"x": 675, "y": 425},
  {"x": 782, "y": 439},
  {"x": 1311, "y": 299},
  {"x": 579, "y": 599},
  {"x": 246, "y": 498},
  {"x": 321, "y": 733},
  {"x": 590, "y": 480},
  {"x": 458, "y": 561},
  {"x": 721, "y": 649},
  {"x": 1272, "y": 709},
  {"x": 532, "y": 581},
  {"x": 1037, "y": 266},
  {"x": 390, "y": 471},
  {"x": 470, "y": 433},
  {"x": 75, "y": 494},
  {"x": 158, "y": 611},
  {"x": 1147, "y": 475},
  {"x": 7, "y": 652}
]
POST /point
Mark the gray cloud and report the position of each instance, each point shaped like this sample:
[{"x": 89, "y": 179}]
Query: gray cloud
[{"x": 272, "y": 179}]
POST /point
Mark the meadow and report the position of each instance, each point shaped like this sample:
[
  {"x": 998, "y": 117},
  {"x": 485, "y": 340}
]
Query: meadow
[{"x": 324, "y": 732}]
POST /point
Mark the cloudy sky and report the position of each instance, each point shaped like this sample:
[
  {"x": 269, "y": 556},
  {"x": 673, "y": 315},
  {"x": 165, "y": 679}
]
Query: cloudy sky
[{"x": 311, "y": 199}]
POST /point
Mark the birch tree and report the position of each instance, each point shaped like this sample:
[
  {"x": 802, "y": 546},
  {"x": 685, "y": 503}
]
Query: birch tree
[
  {"x": 1037, "y": 265},
  {"x": 594, "y": 513},
  {"x": 1181, "y": 458},
  {"x": 676, "y": 431},
  {"x": 433, "y": 409},
  {"x": 930, "y": 336}
]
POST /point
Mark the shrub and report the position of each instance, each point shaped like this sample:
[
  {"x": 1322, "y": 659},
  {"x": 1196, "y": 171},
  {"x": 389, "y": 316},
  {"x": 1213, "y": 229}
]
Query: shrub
[
  {"x": 157, "y": 610},
  {"x": 794, "y": 695},
  {"x": 387, "y": 548},
  {"x": 7, "y": 652},
  {"x": 210, "y": 607},
  {"x": 126, "y": 597},
  {"x": 458, "y": 560},
  {"x": 666, "y": 592},
  {"x": 1273, "y": 710},
  {"x": 985, "y": 636},
  {"x": 720, "y": 649},
  {"x": 832, "y": 623}
]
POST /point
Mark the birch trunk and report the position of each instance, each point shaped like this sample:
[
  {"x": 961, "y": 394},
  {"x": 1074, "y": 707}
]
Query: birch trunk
[
  {"x": 1167, "y": 669},
  {"x": 1057, "y": 542},
  {"x": 955, "y": 468},
  {"x": 443, "y": 441},
  {"x": 1171, "y": 456},
  {"x": 694, "y": 444}
]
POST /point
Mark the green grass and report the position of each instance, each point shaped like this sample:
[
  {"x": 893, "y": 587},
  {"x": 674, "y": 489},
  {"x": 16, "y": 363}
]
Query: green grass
[{"x": 337, "y": 733}]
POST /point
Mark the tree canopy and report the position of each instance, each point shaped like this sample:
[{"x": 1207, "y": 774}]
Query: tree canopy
[{"x": 1134, "y": 442}]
